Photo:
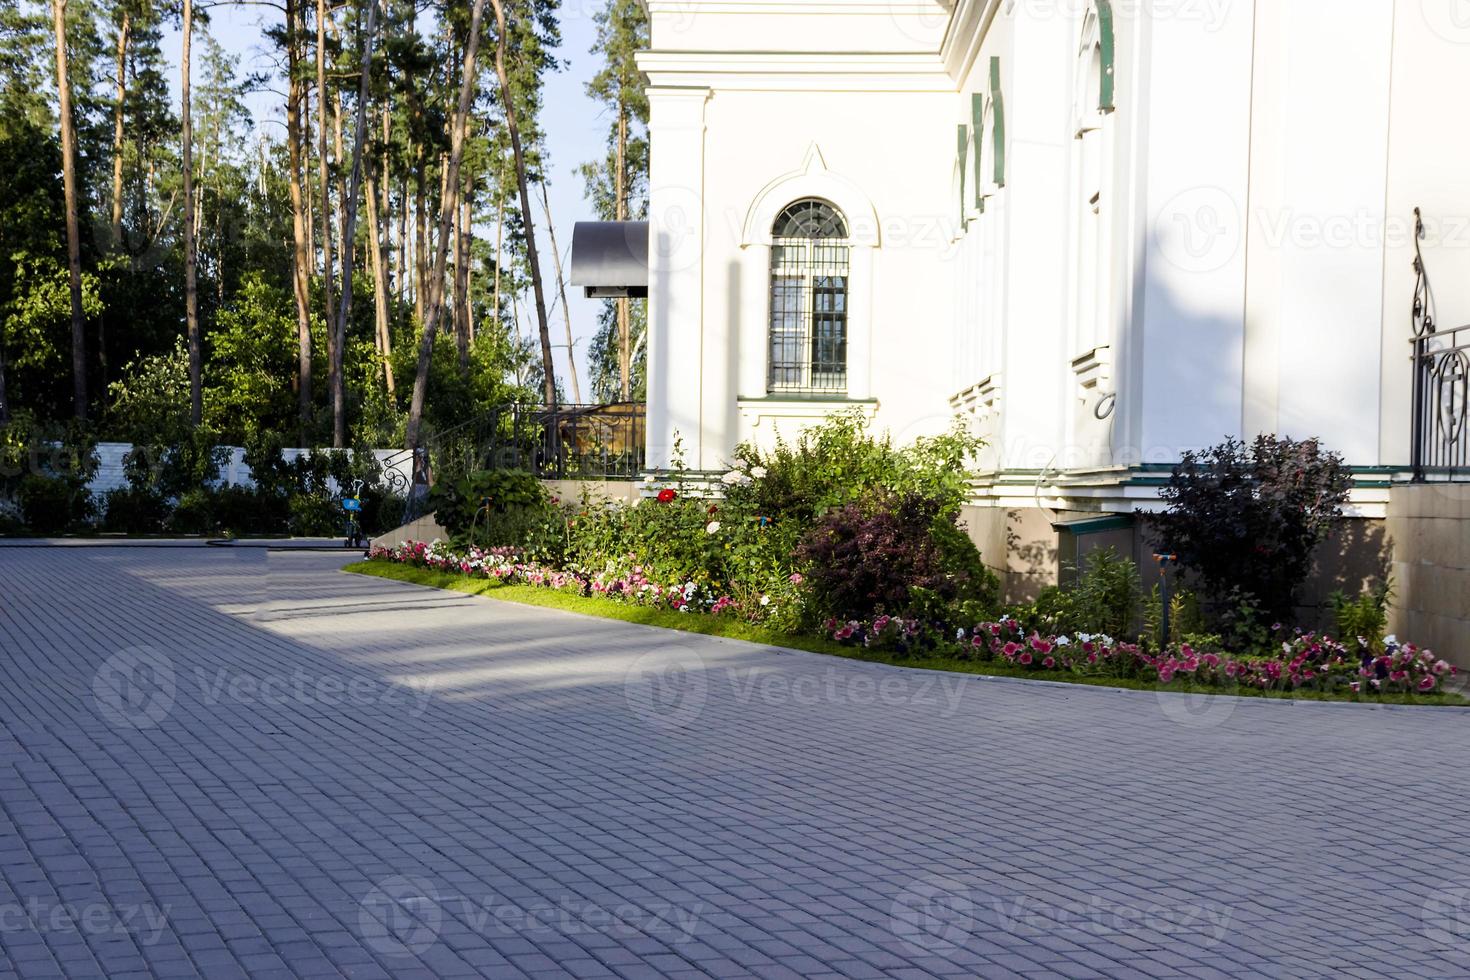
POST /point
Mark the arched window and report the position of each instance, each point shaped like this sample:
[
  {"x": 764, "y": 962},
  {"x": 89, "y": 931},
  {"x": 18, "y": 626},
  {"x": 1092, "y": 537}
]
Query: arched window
[{"x": 809, "y": 287}]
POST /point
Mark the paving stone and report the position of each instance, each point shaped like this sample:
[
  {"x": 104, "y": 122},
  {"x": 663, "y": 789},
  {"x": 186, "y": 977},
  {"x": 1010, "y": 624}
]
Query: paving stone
[{"x": 296, "y": 772}]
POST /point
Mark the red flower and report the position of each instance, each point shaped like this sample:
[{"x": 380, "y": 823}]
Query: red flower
[{"x": 666, "y": 495}]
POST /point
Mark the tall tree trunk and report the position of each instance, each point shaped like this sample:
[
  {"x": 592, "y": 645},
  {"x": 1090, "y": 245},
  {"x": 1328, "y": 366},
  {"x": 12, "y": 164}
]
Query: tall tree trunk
[
  {"x": 117, "y": 129},
  {"x": 4, "y": 402},
  {"x": 625, "y": 326},
  {"x": 499, "y": 240},
  {"x": 301, "y": 253},
  {"x": 420, "y": 248},
  {"x": 387, "y": 180},
  {"x": 462, "y": 282},
  {"x": 561, "y": 285},
  {"x": 380, "y": 288},
  {"x": 324, "y": 176},
  {"x": 532, "y": 259},
  {"x": 456, "y": 155},
  {"x": 349, "y": 223},
  {"x": 73, "y": 234},
  {"x": 191, "y": 232},
  {"x": 402, "y": 278}
]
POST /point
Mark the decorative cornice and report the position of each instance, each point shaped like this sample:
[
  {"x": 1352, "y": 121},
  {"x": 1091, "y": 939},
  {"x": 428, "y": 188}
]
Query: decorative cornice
[
  {"x": 966, "y": 35},
  {"x": 797, "y": 71}
]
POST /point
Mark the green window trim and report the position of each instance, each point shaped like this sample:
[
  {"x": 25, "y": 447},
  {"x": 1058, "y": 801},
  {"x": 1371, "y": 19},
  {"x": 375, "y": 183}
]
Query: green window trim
[
  {"x": 977, "y": 118},
  {"x": 1106, "y": 41},
  {"x": 964, "y": 150},
  {"x": 998, "y": 122}
]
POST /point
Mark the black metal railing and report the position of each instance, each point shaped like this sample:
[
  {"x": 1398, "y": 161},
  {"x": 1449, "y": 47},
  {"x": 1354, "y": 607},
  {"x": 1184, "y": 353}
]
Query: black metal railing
[
  {"x": 1440, "y": 441},
  {"x": 1441, "y": 436},
  {"x": 566, "y": 442}
]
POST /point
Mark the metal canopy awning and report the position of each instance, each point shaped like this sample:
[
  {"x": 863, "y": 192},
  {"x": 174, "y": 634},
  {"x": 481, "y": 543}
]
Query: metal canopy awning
[{"x": 610, "y": 258}]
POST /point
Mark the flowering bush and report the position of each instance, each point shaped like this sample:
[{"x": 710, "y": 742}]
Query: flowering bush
[
  {"x": 510, "y": 566},
  {"x": 1308, "y": 661}
]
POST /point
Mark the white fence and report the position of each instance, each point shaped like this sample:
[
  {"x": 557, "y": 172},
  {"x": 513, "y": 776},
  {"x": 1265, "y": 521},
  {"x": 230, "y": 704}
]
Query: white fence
[{"x": 234, "y": 472}]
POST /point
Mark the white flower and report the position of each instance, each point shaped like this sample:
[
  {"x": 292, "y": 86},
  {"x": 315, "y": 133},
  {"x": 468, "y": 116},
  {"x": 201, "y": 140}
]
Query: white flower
[
  {"x": 733, "y": 478},
  {"x": 759, "y": 472},
  {"x": 712, "y": 527},
  {"x": 648, "y": 479},
  {"x": 765, "y": 600},
  {"x": 1062, "y": 641},
  {"x": 1391, "y": 640}
]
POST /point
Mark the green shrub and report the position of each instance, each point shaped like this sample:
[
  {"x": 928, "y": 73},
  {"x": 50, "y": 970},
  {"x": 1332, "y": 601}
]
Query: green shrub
[
  {"x": 245, "y": 510},
  {"x": 1105, "y": 598},
  {"x": 44, "y": 472},
  {"x": 129, "y": 510},
  {"x": 53, "y": 504},
  {"x": 839, "y": 461},
  {"x": 1186, "y": 621},
  {"x": 1249, "y": 517},
  {"x": 1364, "y": 616},
  {"x": 891, "y": 553},
  {"x": 479, "y": 507},
  {"x": 193, "y": 513},
  {"x": 176, "y": 469}
]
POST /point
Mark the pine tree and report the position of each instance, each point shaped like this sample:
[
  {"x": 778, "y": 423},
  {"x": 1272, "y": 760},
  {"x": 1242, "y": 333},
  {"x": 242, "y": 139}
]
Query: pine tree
[{"x": 618, "y": 184}]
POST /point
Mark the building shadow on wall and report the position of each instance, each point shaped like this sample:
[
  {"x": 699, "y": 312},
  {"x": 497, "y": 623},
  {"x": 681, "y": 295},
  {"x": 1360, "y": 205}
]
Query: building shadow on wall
[
  {"x": 1358, "y": 555},
  {"x": 1031, "y": 545}
]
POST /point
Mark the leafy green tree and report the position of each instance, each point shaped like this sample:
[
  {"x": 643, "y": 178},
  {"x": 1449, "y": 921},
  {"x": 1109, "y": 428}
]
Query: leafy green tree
[{"x": 252, "y": 346}]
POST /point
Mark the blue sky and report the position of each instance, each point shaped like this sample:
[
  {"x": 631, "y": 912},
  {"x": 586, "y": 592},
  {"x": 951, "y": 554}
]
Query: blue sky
[{"x": 574, "y": 124}]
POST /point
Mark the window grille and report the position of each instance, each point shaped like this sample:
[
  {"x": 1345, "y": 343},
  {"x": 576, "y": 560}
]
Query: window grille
[{"x": 809, "y": 293}]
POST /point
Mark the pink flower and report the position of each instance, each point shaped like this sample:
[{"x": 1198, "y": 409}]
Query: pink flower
[
  {"x": 1165, "y": 675},
  {"x": 1024, "y": 659},
  {"x": 1049, "y": 663},
  {"x": 1354, "y": 687},
  {"x": 1011, "y": 649},
  {"x": 796, "y": 578},
  {"x": 1211, "y": 660},
  {"x": 1426, "y": 683}
]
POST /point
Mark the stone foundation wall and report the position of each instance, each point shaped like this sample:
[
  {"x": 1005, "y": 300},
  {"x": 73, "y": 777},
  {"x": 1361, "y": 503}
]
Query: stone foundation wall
[
  {"x": 1020, "y": 546},
  {"x": 1429, "y": 526}
]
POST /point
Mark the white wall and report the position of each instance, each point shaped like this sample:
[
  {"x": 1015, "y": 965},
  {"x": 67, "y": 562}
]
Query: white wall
[
  {"x": 1259, "y": 177},
  {"x": 1428, "y": 156},
  {"x": 1316, "y": 220}
]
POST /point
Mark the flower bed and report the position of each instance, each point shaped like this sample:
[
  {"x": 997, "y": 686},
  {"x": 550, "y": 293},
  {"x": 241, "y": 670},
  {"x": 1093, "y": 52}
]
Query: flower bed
[
  {"x": 1308, "y": 662},
  {"x": 508, "y": 566}
]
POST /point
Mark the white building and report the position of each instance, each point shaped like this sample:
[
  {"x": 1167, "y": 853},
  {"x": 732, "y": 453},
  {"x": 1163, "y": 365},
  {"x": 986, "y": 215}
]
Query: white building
[{"x": 1107, "y": 231}]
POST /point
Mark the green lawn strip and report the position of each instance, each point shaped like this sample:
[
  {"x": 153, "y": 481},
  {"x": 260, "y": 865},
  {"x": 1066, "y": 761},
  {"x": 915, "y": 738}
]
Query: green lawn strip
[{"x": 533, "y": 595}]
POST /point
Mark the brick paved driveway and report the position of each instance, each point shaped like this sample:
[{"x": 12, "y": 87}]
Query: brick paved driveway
[{"x": 227, "y": 762}]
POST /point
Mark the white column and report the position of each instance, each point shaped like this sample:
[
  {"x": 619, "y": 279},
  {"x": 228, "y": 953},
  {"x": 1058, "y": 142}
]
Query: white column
[
  {"x": 675, "y": 269},
  {"x": 860, "y": 324},
  {"x": 755, "y": 286}
]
